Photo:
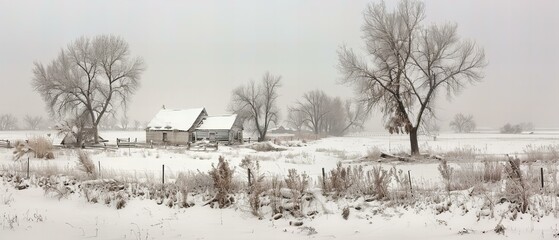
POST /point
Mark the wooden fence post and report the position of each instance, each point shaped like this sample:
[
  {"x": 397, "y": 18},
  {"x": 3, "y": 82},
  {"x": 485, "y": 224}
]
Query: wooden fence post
[
  {"x": 541, "y": 176},
  {"x": 27, "y": 167},
  {"x": 99, "y": 163},
  {"x": 323, "y": 180},
  {"x": 409, "y": 177},
  {"x": 249, "y": 181},
  {"x": 163, "y": 176}
]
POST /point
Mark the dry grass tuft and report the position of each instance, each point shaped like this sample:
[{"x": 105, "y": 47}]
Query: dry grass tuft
[
  {"x": 41, "y": 147},
  {"x": 85, "y": 164}
]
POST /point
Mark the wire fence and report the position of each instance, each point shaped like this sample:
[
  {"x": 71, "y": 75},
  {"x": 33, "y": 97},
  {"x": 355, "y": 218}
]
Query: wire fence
[{"x": 540, "y": 178}]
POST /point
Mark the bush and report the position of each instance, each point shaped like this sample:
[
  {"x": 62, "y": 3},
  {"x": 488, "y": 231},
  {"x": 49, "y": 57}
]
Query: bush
[
  {"x": 42, "y": 147},
  {"x": 222, "y": 177},
  {"x": 298, "y": 184},
  {"x": 256, "y": 189},
  {"x": 516, "y": 187},
  {"x": 339, "y": 180},
  {"x": 511, "y": 129},
  {"x": 446, "y": 173},
  {"x": 381, "y": 180}
]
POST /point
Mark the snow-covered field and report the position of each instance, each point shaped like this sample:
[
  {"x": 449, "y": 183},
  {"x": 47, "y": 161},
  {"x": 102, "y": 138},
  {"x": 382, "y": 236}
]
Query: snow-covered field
[{"x": 32, "y": 214}]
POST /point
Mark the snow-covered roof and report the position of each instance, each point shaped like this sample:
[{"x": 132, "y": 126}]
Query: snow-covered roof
[
  {"x": 170, "y": 119},
  {"x": 218, "y": 122}
]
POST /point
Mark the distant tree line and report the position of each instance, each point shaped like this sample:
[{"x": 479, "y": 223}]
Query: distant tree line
[
  {"x": 256, "y": 104},
  {"x": 517, "y": 128},
  {"x": 321, "y": 113},
  {"x": 10, "y": 122}
]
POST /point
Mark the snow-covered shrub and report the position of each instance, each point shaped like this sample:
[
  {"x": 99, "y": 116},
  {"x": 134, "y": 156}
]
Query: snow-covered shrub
[
  {"x": 381, "y": 180},
  {"x": 339, "y": 180},
  {"x": 275, "y": 200},
  {"x": 41, "y": 147},
  {"x": 360, "y": 182},
  {"x": 298, "y": 185},
  {"x": 517, "y": 190},
  {"x": 85, "y": 164},
  {"x": 256, "y": 188},
  {"x": 256, "y": 185},
  {"x": 446, "y": 173},
  {"x": 222, "y": 177}
]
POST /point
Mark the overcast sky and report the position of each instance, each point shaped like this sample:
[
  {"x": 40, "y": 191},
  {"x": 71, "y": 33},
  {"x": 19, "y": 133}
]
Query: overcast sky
[{"x": 198, "y": 51}]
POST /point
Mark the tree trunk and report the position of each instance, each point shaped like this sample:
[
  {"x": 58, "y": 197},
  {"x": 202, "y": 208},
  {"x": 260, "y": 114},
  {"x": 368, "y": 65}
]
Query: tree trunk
[
  {"x": 95, "y": 134},
  {"x": 413, "y": 141}
]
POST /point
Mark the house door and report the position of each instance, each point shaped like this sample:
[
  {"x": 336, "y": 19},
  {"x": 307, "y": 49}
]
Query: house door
[{"x": 164, "y": 137}]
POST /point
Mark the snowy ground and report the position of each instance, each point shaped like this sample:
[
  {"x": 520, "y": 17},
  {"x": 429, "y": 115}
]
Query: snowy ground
[{"x": 38, "y": 215}]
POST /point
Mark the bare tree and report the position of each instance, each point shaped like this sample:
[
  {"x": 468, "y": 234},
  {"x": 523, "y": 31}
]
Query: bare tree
[
  {"x": 463, "y": 123},
  {"x": 314, "y": 108},
  {"x": 333, "y": 122},
  {"x": 124, "y": 122},
  {"x": 92, "y": 75},
  {"x": 137, "y": 125},
  {"x": 409, "y": 65},
  {"x": 8, "y": 122},
  {"x": 322, "y": 113},
  {"x": 33, "y": 122},
  {"x": 256, "y": 104},
  {"x": 295, "y": 119},
  {"x": 355, "y": 114}
]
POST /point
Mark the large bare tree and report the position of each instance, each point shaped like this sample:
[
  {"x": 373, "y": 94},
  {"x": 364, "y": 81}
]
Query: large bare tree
[
  {"x": 256, "y": 103},
  {"x": 314, "y": 107},
  {"x": 408, "y": 64},
  {"x": 8, "y": 122},
  {"x": 92, "y": 75},
  {"x": 33, "y": 122}
]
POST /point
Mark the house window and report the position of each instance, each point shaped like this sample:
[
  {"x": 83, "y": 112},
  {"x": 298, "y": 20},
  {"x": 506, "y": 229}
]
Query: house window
[
  {"x": 212, "y": 136},
  {"x": 164, "y": 137}
]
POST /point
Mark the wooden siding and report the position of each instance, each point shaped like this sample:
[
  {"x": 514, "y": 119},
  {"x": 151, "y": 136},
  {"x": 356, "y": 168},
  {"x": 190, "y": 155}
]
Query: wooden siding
[
  {"x": 173, "y": 137},
  {"x": 221, "y": 135}
]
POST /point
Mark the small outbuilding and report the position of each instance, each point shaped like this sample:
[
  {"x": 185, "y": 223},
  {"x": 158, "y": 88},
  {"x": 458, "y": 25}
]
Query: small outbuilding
[
  {"x": 224, "y": 128},
  {"x": 174, "y": 127}
]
